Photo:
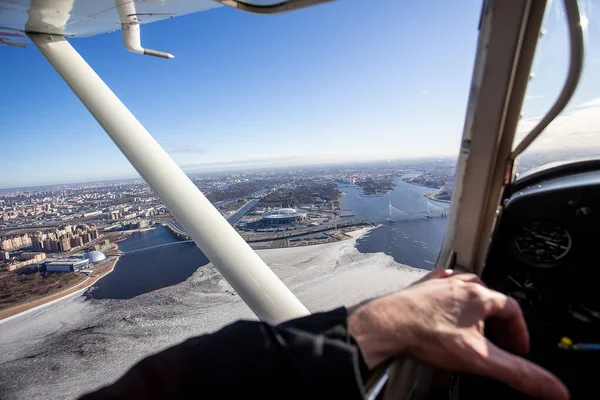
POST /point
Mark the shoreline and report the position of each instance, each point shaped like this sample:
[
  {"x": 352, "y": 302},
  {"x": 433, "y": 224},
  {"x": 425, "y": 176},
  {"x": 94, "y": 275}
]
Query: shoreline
[
  {"x": 24, "y": 308},
  {"x": 423, "y": 186},
  {"x": 334, "y": 237},
  {"x": 363, "y": 194},
  {"x": 431, "y": 196},
  {"x": 375, "y": 195}
]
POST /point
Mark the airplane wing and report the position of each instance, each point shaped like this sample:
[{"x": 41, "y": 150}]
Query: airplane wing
[{"x": 84, "y": 18}]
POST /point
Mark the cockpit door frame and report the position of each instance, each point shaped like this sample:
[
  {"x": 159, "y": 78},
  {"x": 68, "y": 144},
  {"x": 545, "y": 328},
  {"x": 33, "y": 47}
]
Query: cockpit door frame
[{"x": 508, "y": 36}]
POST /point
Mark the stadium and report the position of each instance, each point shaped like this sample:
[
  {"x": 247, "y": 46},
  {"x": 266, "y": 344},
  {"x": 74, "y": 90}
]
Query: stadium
[{"x": 284, "y": 216}]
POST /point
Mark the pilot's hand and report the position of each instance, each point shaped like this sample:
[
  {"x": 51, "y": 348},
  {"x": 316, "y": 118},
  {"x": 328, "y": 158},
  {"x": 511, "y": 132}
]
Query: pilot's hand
[
  {"x": 439, "y": 321},
  {"x": 437, "y": 273}
]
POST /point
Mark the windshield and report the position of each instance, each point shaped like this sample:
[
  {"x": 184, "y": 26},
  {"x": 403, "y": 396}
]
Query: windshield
[
  {"x": 575, "y": 133},
  {"x": 327, "y": 137}
]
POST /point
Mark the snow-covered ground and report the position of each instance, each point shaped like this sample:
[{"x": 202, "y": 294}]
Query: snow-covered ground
[{"x": 76, "y": 345}]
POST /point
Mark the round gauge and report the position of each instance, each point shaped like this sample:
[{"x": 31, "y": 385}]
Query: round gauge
[{"x": 543, "y": 243}]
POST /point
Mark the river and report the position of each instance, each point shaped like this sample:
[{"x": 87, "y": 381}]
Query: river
[
  {"x": 414, "y": 241},
  {"x": 144, "y": 271},
  {"x": 242, "y": 211}
]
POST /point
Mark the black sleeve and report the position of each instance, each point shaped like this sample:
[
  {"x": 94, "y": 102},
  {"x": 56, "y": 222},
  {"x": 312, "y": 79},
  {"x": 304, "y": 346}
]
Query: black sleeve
[{"x": 310, "y": 357}]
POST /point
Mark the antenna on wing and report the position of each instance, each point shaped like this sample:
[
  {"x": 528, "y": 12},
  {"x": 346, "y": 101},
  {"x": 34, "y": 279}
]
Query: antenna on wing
[{"x": 130, "y": 26}]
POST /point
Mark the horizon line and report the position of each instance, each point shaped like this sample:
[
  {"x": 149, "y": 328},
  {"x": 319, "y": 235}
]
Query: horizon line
[{"x": 223, "y": 171}]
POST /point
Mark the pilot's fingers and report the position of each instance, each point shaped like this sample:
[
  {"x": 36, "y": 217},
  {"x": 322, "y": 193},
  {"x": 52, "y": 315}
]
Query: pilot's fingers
[
  {"x": 437, "y": 273},
  {"x": 440, "y": 273},
  {"x": 507, "y": 319},
  {"x": 522, "y": 375},
  {"x": 467, "y": 277}
]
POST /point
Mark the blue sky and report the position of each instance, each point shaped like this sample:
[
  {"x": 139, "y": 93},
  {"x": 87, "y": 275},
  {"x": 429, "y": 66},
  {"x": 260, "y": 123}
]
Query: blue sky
[{"x": 350, "y": 80}]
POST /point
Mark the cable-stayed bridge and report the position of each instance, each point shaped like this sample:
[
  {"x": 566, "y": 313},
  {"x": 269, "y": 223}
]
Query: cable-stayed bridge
[
  {"x": 389, "y": 214},
  {"x": 156, "y": 247},
  {"x": 175, "y": 229}
]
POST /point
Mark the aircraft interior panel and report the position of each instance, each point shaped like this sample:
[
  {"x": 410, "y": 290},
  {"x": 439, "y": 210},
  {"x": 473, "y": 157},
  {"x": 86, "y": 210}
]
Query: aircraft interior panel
[{"x": 545, "y": 254}]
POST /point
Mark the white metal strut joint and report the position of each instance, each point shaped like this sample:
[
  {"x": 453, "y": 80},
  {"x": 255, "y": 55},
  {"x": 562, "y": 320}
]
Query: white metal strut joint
[{"x": 130, "y": 28}]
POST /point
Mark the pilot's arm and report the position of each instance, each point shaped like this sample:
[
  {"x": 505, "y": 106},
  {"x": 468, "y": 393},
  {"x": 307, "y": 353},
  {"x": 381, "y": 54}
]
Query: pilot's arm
[{"x": 438, "y": 321}]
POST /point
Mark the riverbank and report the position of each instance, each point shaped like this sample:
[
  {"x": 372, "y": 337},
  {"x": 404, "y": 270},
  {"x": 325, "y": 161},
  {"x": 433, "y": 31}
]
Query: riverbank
[
  {"x": 321, "y": 237},
  {"x": 37, "y": 303},
  {"x": 433, "y": 195},
  {"x": 362, "y": 194},
  {"x": 430, "y": 195}
]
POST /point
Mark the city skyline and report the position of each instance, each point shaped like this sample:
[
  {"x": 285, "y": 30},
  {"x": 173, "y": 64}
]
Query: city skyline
[
  {"x": 243, "y": 168},
  {"x": 31, "y": 217},
  {"x": 271, "y": 92},
  {"x": 530, "y": 161}
]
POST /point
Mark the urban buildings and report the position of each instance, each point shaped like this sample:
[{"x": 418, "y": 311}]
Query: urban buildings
[
  {"x": 60, "y": 240},
  {"x": 26, "y": 259},
  {"x": 15, "y": 242},
  {"x": 67, "y": 264}
]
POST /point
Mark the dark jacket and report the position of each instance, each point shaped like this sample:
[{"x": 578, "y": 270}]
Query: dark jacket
[{"x": 310, "y": 357}]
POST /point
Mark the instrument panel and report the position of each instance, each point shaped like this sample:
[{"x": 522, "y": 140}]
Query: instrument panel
[
  {"x": 545, "y": 253},
  {"x": 542, "y": 243}
]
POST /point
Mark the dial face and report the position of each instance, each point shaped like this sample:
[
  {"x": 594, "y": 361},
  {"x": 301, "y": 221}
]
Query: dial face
[{"x": 543, "y": 243}]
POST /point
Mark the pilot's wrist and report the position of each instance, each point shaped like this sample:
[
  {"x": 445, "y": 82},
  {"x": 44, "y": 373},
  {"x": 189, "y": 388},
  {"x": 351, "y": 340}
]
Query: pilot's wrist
[{"x": 379, "y": 336}]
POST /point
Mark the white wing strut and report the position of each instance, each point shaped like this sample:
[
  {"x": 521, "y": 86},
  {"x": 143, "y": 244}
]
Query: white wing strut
[{"x": 253, "y": 280}]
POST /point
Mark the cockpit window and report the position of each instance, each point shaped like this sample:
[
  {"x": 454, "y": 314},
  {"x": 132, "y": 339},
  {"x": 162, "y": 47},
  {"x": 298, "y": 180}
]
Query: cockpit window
[{"x": 575, "y": 133}]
